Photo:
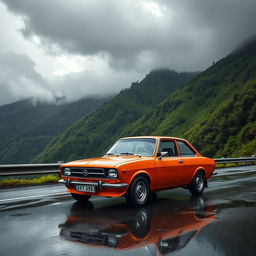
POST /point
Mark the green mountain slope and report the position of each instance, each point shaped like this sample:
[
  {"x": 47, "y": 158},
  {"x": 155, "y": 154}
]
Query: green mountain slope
[
  {"x": 91, "y": 135},
  {"x": 27, "y": 128},
  {"x": 231, "y": 129},
  {"x": 215, "y": 110}
]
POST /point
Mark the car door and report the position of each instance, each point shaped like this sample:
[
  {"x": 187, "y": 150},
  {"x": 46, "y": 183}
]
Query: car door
[
  {"x": 169, "y": 168},
  {"x": 188, "y": 160}
]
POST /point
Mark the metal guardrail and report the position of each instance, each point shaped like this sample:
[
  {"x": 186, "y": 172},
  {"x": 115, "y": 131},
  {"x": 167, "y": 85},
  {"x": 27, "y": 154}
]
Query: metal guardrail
[
  {"x": 28, "y": 169},
  {"x": 53, "y": 168},
  {"x": 235, "y": 160}
]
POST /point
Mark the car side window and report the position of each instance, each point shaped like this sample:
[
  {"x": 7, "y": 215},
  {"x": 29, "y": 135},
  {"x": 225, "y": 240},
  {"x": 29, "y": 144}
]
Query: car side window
[
  {"x": 185, "y": 150},
  {"x": 168, "y": 146}
]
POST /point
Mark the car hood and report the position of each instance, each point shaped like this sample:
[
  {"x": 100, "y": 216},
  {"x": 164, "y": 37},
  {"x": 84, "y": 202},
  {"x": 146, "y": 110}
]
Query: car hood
[{"x": 105, "y": 162}]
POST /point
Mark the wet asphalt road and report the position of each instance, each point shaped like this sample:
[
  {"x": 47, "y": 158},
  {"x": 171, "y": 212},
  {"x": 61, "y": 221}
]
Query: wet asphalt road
[{"x": 46, "y": 221}]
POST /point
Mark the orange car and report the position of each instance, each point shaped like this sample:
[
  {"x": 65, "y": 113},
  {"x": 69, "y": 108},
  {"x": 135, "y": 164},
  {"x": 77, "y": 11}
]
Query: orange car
[{"x": 136, "y": 167}]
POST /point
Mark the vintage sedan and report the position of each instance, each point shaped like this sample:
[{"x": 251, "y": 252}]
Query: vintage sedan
[{"x": 137, "y": 167}]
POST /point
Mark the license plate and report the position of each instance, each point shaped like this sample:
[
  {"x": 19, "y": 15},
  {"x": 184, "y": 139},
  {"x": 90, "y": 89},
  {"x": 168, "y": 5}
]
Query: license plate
[{"x": 85, "y": 188}]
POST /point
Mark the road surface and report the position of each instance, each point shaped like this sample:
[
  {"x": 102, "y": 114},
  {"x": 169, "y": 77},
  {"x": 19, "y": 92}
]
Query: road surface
[{"x": 45, "y": 220}]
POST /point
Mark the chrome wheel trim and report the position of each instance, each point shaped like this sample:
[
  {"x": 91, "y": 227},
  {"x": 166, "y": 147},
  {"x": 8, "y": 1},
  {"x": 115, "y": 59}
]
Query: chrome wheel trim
[
  {"x": 141, "y": 192},
  {"x": 199, "y": 183}
]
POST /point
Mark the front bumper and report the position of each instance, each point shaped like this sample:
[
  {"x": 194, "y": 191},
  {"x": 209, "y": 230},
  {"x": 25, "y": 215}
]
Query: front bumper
[{"x": 98, "y": 184}]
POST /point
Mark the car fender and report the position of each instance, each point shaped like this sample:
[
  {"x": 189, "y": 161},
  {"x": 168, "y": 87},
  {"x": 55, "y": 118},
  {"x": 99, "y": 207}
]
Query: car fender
[
  {"x": 200, "y": 168},
  {"x": 137, "y": 173}
]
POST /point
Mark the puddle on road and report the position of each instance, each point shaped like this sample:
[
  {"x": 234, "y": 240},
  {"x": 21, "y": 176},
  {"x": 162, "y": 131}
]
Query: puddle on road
[{"x": 166, "y": 225}]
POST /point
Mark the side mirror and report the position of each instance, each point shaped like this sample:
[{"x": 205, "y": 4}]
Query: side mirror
[{"x": 162, "y": 154}]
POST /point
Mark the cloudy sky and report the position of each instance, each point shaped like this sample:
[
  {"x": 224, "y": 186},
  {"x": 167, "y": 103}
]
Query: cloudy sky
[{"x": 76, "y": 48}]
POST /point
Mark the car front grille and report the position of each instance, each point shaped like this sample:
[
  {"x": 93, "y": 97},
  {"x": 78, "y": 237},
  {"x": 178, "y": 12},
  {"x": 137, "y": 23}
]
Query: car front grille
[{"x": 95, "y": 173}]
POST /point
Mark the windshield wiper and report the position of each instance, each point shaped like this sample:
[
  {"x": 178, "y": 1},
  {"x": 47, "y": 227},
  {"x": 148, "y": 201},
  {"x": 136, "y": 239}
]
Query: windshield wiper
[
  {"x": 108, "y": 154},
  {"x": 129, "y": 154},
  {"x": 126, "y": 153}
]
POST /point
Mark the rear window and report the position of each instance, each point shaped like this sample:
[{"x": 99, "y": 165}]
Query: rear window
[{"x": 185, "y": 150}]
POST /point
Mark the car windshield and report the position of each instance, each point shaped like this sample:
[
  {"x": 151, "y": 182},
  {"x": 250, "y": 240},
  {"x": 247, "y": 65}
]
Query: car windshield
[{"x": 136, "y": 146}]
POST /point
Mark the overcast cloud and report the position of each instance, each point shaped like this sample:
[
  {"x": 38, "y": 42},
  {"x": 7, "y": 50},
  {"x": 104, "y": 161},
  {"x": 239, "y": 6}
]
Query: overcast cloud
[{"x": 82, "y": 47}]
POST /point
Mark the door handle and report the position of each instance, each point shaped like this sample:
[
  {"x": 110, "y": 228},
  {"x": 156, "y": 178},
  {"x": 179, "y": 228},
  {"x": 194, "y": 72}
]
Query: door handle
[{"x": 180, "y": 161}]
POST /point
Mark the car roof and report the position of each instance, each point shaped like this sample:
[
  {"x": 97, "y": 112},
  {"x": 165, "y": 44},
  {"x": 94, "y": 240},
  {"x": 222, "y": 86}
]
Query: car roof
[{"x": 153, "y": 137}]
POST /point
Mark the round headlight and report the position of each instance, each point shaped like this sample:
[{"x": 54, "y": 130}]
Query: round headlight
[
  {"x": 112, "y": 173},
  {"x": 67, "y": 171}
]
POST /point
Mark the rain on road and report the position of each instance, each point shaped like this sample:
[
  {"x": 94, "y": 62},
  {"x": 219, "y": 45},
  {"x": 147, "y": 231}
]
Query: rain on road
[{"x": 44, "y": 220}]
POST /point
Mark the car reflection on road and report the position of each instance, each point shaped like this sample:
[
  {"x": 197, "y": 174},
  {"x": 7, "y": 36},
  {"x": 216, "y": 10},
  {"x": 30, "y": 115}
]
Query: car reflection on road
[{"x": 165, "y": 226}]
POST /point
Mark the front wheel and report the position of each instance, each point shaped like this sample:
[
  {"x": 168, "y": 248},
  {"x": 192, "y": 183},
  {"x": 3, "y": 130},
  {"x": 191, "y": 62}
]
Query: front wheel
[
  {"x": 138, "y": 193},
  {"x": 81, "y": 198},
  {"x": 197, "y": 185}
]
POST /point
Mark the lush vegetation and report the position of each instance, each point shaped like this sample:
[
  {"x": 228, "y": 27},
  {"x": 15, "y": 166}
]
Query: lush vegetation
[
  {"x": 27, "y": 128},
  {"x": 19, "y": 181},
  {"x": 92, "y": 134},
  {"x": 230, "y": 130}
]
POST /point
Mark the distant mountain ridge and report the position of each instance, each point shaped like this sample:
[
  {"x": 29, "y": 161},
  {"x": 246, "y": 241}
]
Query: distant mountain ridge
[
  {"x": 91, "y": 135},
  {"x": 26, "y": 128}
]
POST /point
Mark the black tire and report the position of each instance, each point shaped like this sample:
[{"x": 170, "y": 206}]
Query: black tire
[
  {"x": 197, "y": 185},
  {"x": 138, "y": 193},
  {"x": 81, "y": 198}
]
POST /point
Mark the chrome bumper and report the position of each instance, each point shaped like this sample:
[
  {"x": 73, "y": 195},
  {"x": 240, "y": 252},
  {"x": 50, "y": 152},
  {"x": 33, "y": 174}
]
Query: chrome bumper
[{"x": 98, "y": 184}]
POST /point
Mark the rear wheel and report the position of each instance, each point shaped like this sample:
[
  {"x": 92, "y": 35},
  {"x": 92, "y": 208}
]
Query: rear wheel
[
  {"x": 138, "y": 193},
  {"x": 197, "y": 185},
  {"x": 81, "y": 198}
]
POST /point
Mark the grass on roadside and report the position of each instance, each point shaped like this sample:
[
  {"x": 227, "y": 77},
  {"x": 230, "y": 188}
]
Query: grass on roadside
[{"x": 16, "y": 181}]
